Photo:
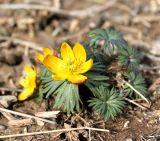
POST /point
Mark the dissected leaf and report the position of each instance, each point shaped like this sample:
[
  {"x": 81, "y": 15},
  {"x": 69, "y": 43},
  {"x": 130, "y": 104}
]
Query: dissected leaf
[
  {"x": 137, "y": 81},
  {"x": 129, "y": 57},
  {"x": 68, "y": 97},
  {"x": 107, "y": 102},
  {"x": 110, "y": 37}
]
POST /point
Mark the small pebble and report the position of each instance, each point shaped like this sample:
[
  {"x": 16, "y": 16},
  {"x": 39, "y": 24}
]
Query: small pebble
[
  {"x": 126, "y": 124},
  {"x": 129, "y": 139},
  {"x": 40, "y": 123},
  {"x": 2, "y": 127}
]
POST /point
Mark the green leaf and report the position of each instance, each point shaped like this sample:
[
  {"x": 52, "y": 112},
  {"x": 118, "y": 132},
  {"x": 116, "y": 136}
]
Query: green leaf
[
  {"x": 55, "y": 86},
  {"x": 39, "y": 95},
  {"x": 138, "y": 83},
  {"x": 66, "y": 94},
  {"x": 103, "y": 43},
  {"x": 107, "y": 103},
  {"x": 96, "y": 77},
  {"x": 129, "y": 57},
  {"x": 67, "y": 97},
  {"x": 110, "y": 37},
  {"x": 50, "y": 86},
  {"x": 44, "y": 73}
]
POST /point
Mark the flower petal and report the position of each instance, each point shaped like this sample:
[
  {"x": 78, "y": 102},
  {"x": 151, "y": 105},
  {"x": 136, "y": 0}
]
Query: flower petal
[
  {"x": 47, "y": 51},
  {"x": 60, "y": 76},
  {"x": 39, "y": 57},
  {"x": 86, "y": 66},
  {"x": 30, "y": 71},
  {"x": 54, "y": 64},
  {"x": 79, "y": 52},
  {"x": 23, "y": 82},
  {"x": 25, "y": 94},
  {"x": 67, "y": 53},
  {"x": 77, "y": 79}
]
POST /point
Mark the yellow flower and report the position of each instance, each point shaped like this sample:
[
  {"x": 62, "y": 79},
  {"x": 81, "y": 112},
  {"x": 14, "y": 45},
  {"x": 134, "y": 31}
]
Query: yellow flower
[
  {"x": 72, "y": 65},
  {"x": 29, "y": 82},
  {"x": 46, "y": 51}
]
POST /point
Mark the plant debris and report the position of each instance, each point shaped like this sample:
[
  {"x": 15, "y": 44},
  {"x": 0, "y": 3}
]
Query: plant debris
[{"x": 29, "y": 26}]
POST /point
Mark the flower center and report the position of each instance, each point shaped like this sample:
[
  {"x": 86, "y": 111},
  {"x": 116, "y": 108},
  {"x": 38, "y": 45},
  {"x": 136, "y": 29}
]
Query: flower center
[{"x": 74, "y": 67}]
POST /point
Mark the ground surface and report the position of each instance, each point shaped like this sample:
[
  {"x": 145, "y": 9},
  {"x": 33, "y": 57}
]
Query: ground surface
[{"x": 139, "y": 22}]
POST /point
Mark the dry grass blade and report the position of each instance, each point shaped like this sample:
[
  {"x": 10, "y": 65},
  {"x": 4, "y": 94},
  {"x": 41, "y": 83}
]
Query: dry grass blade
[
  {"x": 52, "y": 131},
  {"x": 41, "y": 132},
  {"x": 98, "y": 129},
  {"x": 26, "y": 115},
  {"x": 135, "y": 103},
  {"x": 137, "y": 92}
]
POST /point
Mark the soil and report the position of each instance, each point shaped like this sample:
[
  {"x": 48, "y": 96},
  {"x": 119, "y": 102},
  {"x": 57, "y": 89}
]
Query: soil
[{"x": 139, "y": 22}]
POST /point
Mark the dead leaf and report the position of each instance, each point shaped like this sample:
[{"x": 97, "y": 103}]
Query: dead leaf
[
  {"x": 7, "y": 99},
  {"x": 47, "y": 114}
]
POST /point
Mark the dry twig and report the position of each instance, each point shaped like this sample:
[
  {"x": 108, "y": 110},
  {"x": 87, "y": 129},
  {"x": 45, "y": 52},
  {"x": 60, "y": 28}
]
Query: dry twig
[
  {"x": 20, "y": 122},
  {"x": 26, "y": 115},
  {"x": 89, "y": 12},
  {"x": 136, "y": 42},
  {"x": 22, "y": 42},
  {"x": 76, "y": 35},
  {"x": 135, "y": 103},
  {"x": 136, "y": 91},
  {"x": 146, "y": 18},
  {"x": 89, "y": 130},
  {"x": 82, "y": 119},
  {"x": 52, "y": 131},
  {"x": 10, "y": 89},
  {"x": 41, "y": 132},
  {"x": 47, "y": 114}
]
